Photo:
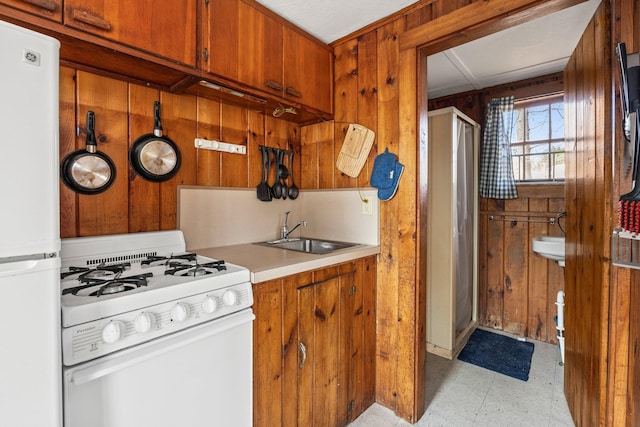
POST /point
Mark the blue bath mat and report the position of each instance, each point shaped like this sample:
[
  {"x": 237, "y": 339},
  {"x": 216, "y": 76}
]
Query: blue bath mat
[{"x": 498, "y": 353}]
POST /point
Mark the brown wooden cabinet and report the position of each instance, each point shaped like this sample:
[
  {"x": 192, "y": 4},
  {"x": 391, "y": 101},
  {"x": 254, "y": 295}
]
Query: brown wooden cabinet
[
  {"x": 308, "y": 72},
  {"x": 243, "y": 44},
  {"x": 163, "y": 27},
  {"x": 247, "y": 44},
  {"x": 314, "y": 346},
  {"x": 252, "y": 56},
  {"x": 323, "y": 308},
  {"x": 50, "y": 9}
]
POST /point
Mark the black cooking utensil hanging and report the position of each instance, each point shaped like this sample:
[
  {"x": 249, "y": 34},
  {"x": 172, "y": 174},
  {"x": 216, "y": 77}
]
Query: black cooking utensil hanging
[
  {"x": 283, "y": 173},
  {"x": 153, "y": 156},
  {"x": 280, "y": 187},
  {"x": 293, "y": 190},
  {"x": 88, "y": 171},
  {"x": 269, "y": 186},
  {"x": 276, "y": 188},
  {"x": 262, "y": 190}
]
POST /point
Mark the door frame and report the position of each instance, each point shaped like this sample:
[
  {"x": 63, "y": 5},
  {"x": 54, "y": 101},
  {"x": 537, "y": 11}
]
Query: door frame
[{"x": 463, "y": 25}]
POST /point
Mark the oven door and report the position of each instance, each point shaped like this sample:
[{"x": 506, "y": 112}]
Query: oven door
[{"x": 200, "y": 376}]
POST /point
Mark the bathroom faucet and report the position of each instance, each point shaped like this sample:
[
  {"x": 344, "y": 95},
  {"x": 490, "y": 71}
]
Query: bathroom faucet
[{"x": 284, "y": 231}]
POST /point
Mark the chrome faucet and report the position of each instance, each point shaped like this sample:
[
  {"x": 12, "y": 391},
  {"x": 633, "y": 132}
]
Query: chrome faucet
[{"x": 284, "y": 231}]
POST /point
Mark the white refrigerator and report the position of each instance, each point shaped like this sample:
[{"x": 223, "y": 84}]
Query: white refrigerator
[{"x": 30, "y": 361}]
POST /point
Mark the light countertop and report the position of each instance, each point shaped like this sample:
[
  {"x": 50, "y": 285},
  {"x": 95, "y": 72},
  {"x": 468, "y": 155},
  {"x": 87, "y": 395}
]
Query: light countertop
[{"x": 266, "y": 263}]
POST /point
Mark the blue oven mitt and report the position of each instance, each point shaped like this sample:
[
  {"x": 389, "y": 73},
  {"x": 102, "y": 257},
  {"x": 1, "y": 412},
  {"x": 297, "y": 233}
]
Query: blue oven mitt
[{"x": 386, "y": 174}]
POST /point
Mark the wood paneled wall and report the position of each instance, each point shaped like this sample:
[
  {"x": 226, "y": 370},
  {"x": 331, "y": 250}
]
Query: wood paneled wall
[
  {"x": 623, "y": 357},
  {"x": 401, "y": 300},
  {"x": 517, "y": 288},
  {"x": 589, "y": 217},
  {"x": 123, "y": 113},
  {"x": 602, "y": 381}
]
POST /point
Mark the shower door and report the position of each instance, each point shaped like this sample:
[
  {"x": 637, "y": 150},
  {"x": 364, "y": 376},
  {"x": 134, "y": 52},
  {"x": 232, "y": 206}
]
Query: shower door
[{"x": 451, "y": 231}]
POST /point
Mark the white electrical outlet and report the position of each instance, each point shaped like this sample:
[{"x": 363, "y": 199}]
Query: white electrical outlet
[{"x": 367, "y": 206}]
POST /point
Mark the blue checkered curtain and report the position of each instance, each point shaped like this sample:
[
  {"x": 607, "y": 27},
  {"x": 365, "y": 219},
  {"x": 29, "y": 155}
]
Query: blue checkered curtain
[{"x": 496, "y": 168}]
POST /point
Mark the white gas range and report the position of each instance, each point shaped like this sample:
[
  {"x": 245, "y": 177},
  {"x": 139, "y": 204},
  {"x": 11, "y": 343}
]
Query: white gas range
[{"x": 138, "y": 311}]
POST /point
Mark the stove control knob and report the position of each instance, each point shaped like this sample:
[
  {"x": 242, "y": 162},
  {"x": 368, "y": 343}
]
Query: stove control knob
[
  {"x": 144, "y": 322},
  {"x": 179, "y": 312},
  {"x": 113, "y": 331},
  {"x": 209, "y": 304},
  {"x": 230, "y": 298}
]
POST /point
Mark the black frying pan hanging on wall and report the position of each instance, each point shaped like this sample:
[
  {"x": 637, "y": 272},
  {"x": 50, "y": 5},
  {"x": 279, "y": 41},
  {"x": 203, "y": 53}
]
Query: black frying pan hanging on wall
[
  {"x": 88, "y": 171},
  {"x": 153, "y": 156}
]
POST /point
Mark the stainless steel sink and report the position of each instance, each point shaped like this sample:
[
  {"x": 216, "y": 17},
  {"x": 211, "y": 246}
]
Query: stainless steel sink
[{"x": 310, "y": 246}]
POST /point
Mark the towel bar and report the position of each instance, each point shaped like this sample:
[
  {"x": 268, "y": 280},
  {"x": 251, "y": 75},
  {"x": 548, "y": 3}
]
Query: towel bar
[{"x": 515, "y": 221}]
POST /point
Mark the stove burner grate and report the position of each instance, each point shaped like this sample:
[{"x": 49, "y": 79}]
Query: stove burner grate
[
  {"x": 183, "y": 269},
  {"x": 166, "y": 260},
  {"x": 97, "y": 272},
  {"x": 110, "y": 286}
]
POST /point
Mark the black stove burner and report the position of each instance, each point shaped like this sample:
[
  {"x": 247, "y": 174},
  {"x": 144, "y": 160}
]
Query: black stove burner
[
  {"x": 110, "y": 286},
  {"x": 98, "y": 272},
  {"x": 117, "y": 286},
  {"x": 184, "y": 269},
  {"x": 166, "y": 260},
  {"x": 74, "y": 270}
]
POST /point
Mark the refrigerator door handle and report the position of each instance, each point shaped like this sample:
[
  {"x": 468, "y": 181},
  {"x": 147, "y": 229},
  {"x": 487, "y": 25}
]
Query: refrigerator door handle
[
  {"x": 17, "y": 268},
  {"x": 8, "y": 269},
  {"x": 31, "y": 257}
]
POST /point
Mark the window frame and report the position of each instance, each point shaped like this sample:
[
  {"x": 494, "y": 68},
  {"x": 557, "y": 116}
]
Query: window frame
[{"x": 524, "y": 104}]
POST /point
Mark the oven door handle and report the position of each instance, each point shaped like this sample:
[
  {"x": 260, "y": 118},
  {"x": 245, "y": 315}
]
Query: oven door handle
[{"x": 116, "y": 362}]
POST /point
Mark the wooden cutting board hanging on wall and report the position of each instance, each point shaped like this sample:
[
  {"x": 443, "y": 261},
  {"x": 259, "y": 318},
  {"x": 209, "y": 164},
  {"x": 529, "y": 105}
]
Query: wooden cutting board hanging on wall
[{"x": 355, "y": 149}]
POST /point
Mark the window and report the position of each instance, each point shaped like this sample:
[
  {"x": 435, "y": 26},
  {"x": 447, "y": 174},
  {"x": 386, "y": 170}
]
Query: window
[{"x": 537, "y": 139}]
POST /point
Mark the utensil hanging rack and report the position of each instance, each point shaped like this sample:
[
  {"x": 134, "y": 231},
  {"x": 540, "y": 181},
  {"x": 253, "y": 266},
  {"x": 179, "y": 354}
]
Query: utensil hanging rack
[{"x": 514, "y": 221}]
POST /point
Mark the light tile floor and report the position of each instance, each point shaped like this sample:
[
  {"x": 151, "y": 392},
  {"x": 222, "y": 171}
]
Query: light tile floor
[{"x": 461, "y": 394}]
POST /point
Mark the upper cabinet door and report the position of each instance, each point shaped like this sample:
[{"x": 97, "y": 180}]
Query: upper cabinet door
[
  {"x": 260, "y": 44},
  {"x": 221, "y": 24},
  {"x": 50, "y": 9},
  {"x": 308, "y": 72},
  {"x": 253, "y": 47},
  {"x": 166, "y": 28},
  {"x": 244, "y": 45}
]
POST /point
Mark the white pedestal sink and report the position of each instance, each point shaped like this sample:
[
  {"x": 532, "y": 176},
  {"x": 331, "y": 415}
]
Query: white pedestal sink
[{"x": 549, "y": 247}]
